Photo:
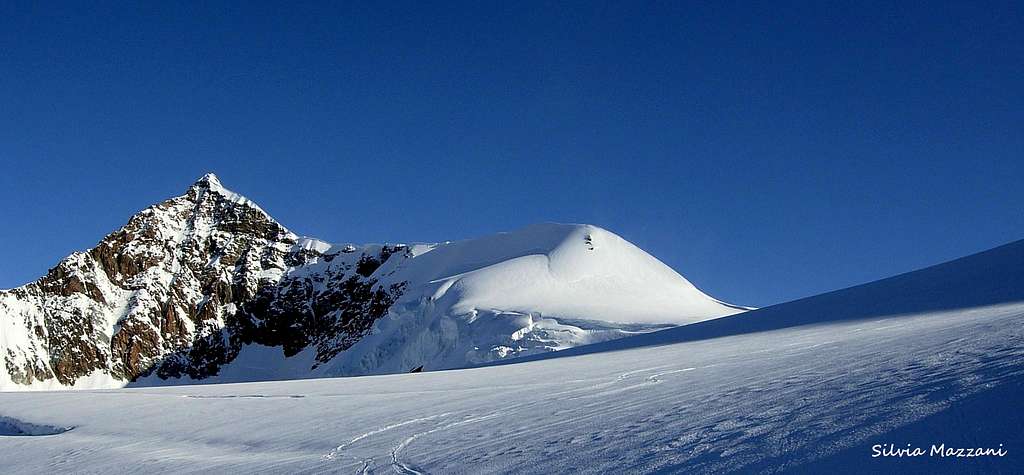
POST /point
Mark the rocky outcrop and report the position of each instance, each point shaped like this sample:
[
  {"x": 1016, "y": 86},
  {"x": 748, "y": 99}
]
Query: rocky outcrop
[{"x": 182, "y": 287}]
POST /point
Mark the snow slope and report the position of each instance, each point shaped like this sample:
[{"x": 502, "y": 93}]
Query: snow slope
[
  {"x": 541, "y": 288},
  {"x": 574, "y": 271},
  {"x": 930, "y": 357}
]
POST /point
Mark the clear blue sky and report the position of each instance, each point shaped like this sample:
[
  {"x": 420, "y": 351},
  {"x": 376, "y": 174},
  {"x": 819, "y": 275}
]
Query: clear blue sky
[{"x": 765, "y": 151}]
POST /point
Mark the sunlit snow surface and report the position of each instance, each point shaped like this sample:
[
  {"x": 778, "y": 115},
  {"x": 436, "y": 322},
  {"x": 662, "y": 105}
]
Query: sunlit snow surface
[{"x": 935, "y": 356}]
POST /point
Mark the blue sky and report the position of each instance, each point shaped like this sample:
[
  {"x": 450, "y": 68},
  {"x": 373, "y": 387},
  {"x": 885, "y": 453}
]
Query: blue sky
[{"x": 766, "y": 152}]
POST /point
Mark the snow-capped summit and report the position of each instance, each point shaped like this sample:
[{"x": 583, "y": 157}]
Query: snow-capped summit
[
  {"x": 210, "y": 185},
  {"x": 209, "y": 180},
  {"x": 208, "y": 285},
  {"x": 570, "y": 270}
]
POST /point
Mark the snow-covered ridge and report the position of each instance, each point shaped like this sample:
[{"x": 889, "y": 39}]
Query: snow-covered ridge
[{"x": 202, "y": 283}]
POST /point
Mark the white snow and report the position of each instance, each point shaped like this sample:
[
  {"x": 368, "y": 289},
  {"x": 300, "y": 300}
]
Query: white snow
[
  {"x": 553, "y": 269},
  {"x": 931, "y": 357}
]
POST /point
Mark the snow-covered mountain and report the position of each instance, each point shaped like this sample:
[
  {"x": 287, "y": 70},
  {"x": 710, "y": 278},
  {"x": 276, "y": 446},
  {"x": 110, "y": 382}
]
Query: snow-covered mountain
[
  {"x": 207, "y": 286},
  {"x": 826, "y": 384}
]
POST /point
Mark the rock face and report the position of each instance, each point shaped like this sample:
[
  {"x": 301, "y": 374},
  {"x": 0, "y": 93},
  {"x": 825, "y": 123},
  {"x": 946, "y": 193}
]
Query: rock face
[{"x": 189, "y": 283}]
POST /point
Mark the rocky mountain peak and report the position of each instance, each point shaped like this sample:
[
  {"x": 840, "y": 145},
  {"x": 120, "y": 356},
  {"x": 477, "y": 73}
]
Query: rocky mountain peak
[
  {"x": 180, "y": 288},
  {"x": 207, "y": 186},
  {"x": 208, "y": 181}
]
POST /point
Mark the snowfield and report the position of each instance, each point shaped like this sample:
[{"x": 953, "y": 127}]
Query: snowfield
[{"x": 931, "y": 357}]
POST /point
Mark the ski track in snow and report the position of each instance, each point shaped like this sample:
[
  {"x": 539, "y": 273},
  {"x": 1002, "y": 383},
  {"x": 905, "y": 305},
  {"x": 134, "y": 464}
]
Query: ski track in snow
[
  {"x": 595, "y": 391},
  {"x": 583, "y": 392},
  {"x": 806, "y": 373},
  {"x": 402, "y": 467},
  {"x": 337, "y": 451}
]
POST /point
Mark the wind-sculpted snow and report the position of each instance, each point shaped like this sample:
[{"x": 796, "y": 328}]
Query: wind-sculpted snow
[
  {"x": 813, "y": 395},
  {"x": 193, "y": 288}
]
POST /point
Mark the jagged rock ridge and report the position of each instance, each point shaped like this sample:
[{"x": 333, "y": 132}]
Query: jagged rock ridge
[{"x": 180, "y": 288}]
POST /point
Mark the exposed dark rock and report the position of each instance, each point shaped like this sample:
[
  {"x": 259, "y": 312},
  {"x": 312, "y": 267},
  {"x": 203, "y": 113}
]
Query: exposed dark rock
[{"x": 134, "y": 349}]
